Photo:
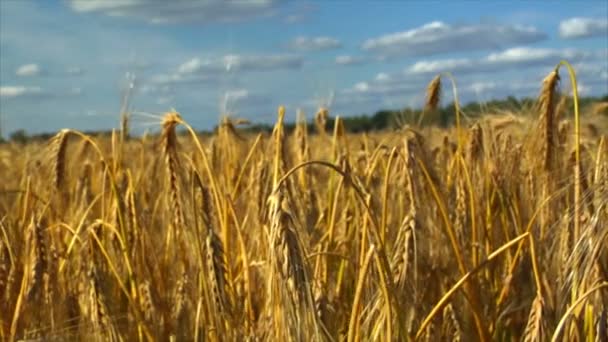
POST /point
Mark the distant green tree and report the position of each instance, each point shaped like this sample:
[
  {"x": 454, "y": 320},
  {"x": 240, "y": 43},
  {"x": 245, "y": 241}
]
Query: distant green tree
[{"x": 19, "y": 136}]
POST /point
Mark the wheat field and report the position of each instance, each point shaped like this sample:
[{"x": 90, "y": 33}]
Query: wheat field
[{"x": 494, "y": 229}]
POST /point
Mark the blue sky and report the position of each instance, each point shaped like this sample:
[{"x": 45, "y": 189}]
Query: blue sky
[{"x": 65, "y": 64}]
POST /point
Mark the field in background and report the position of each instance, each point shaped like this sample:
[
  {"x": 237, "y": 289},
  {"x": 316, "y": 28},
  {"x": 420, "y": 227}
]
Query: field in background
[{"x": 494, "y": 229}]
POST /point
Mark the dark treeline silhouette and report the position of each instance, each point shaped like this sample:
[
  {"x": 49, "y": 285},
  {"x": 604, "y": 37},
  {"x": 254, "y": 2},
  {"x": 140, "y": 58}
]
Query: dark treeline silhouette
[
  {"x": 443, "y": 117},
  {"x": 382, "y": 119}
]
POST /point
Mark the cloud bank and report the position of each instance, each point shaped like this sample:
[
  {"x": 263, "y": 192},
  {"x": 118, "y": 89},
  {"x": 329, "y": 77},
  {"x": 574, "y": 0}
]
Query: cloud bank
[
  {"x": 322, "y": 43},
  {"x": 18, "y": 91},
  {"x": 576, "y": 28},
  {"x": 28, "y": 70},
  {"x": 171, "y": 12},
  {"x": 438, "y": 37}
]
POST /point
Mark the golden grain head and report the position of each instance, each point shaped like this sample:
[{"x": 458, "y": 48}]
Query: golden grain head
[
  {"x": 171, "y": 119},
  {"x": 433, "y": 94}
]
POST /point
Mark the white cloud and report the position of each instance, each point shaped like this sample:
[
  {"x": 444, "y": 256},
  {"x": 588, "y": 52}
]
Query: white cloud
[
  {"x": 169, "y": 12},
  {"x": 175, "y": 78},
  {"x": 18, "y": 91},
  {"x": 518, "y": 57},
  {"x": 163, "y": 100},
  {"x": 300, "y": 12},
  {"x": 237, "y": 94},
  {"x": 598, "y": 71},
  {"x": 382, "y": 77},
  {"x": 480, "y": 87},
  {"x": 574, "y": 28},
  {"x": 361, "y": 87},
  {"x": 11, "y": 92},
  {"x": 293, "y": 19},
  {"x": 75, "y": 91},
  {"x": 438, "y": 37},
  {"x": 376, "y": 88},
  {"x": 261, "y": 62},
  {"x": 74, "y": 70},
  {"x": 370, "y": 96},
  {"x": 233, "y": 99},
  {"x": 240, "y": 63},
  {"x": 303, "y": 43},
  {"x": 525, "y": 55},
  {"x": 28, "y": 70},
  {"x": 482, "y": 90},
  {"x": 350, "y": 60},
  {"x": 197, "y": 70},
  {"x": 583, "y": 89},
  {"x": 190, "y": 66},
  {"x": 147, "y": 89},
  {"x": 437, "y": 66}
]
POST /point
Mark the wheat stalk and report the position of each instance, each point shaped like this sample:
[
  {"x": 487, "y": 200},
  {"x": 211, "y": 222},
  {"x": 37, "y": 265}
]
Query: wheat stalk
[{"x": 169, "y": 148}]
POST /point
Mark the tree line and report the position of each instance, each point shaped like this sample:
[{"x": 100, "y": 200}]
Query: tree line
[{"x": 380, "y": 120}]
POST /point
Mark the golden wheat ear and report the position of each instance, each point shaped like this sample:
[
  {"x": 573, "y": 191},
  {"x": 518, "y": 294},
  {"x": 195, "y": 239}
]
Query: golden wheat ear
[
  {"x": 433, "y": 97},
  {"x": 546, "y": 101},
  {"x": 534, "y": 327},
  {"x": 433, "y": 94},
  {"x": 58, "y": 147},
  {"x": 172, "y": 164}
]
